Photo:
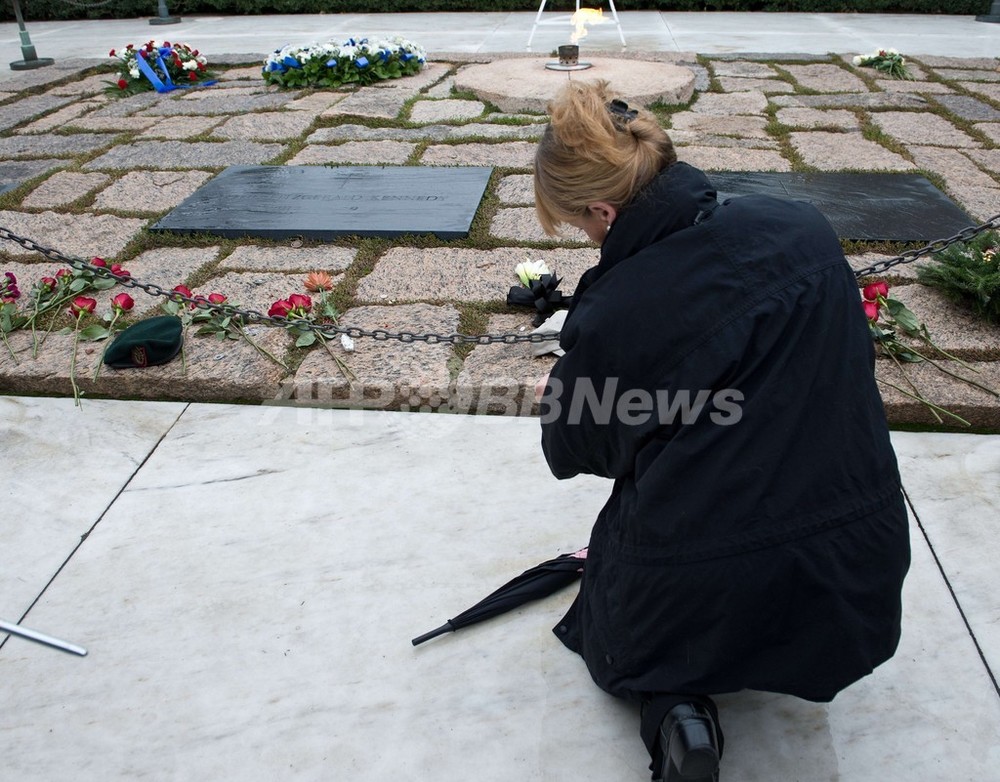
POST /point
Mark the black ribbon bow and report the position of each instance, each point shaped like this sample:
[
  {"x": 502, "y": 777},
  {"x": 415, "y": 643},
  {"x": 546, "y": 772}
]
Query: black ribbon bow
[
  {"x": 542, "y": 294},
  {"x": 620, "y": 109}
]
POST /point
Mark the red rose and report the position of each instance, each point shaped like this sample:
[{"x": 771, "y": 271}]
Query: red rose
[
  {"x": 195, "y": 52},
  {"x": 280, "y": 309},
  {"x": 117, "y": 269},
  {"x": 876, "y": 289},
  {"x": 871, "y": 310},
  {"x": 98, "y": 262},
  {"x": 129, "y": 47},
  {"x": 49, "y": 283},
  {"x": 122, "y": 302},
  {"x": 122, "y": 84},
  {"x": 111, "y": 53},
  {"x": 63, "y": 274},
  {"x": 192, "y": 76},
  {"x": 216, "y": 298},
  {"x": 298, "y": 301},
  {"x": 183, "y": 290},
  {"x": 82, "y": 305}
]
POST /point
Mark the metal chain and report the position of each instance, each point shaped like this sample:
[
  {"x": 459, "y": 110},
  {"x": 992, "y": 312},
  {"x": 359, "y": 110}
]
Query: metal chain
[{"x": 327, "y": 330}]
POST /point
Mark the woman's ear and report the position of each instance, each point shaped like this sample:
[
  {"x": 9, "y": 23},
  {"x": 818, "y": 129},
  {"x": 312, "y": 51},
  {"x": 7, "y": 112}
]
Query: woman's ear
[{"x": 603, "y": 211}]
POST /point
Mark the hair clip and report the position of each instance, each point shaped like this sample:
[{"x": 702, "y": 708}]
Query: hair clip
[{"x": 620, "y": 110}]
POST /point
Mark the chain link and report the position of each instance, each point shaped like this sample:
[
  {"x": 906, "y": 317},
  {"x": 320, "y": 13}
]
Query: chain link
[{"x": 327, "y": 330}]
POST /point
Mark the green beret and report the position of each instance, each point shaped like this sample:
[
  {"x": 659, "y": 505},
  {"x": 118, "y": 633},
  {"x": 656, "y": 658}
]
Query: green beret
[{"x": 146, "y": 343}]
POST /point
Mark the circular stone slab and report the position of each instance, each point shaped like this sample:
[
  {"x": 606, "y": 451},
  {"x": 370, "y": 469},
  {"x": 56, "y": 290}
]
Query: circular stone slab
[{"x": 525, "y": 84}]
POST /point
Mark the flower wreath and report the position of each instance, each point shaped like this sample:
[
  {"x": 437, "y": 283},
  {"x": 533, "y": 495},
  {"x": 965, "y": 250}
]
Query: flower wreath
[{"x": 158, "y": 66}]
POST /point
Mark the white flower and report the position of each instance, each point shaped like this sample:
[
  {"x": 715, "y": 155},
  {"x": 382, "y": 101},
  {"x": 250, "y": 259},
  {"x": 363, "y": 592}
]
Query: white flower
[
  {"x": 858, "y": 59},
  {"x": 134, "y": 71},
  {"x": 190, "y": 65},
  {"x": 530, "y": 270}
]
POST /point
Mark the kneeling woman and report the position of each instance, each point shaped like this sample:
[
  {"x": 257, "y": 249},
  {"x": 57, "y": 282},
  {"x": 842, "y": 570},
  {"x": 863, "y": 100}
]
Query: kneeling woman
[{"x": 719, "y": 368}]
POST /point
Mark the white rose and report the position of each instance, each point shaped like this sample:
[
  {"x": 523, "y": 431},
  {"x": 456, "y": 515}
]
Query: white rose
[
  {"x": 190, "y": 65},
  {"x": 858, "y": 59}
]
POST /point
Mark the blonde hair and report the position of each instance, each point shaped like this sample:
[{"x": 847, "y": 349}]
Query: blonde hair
[{"x": 587, "y": 154}]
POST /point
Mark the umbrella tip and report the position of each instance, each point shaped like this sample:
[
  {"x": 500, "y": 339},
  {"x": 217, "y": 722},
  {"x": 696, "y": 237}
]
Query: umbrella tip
[{"x": 445, "y": 628}]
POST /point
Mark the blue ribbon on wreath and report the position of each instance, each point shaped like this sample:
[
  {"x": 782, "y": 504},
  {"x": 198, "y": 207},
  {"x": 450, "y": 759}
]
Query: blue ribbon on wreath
[{"x": 166, "y": 84}]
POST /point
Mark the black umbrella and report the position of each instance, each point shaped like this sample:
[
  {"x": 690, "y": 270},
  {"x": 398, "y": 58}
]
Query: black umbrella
[{"x": 535, "y": 583}]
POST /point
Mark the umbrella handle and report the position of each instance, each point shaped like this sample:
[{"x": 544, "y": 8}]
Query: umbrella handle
[{"x": 447, "y": 627}]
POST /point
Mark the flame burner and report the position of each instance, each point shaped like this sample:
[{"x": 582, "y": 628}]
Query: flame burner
[{"x": 569, "y": 60}]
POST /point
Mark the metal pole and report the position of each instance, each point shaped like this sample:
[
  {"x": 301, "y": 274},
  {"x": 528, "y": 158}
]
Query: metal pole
[
  {"x": 41, "y": 638},
  {"x": 31, "y": 60},
  {"x": 164, "y": 15},
  {"x": 993, "y": 15}
]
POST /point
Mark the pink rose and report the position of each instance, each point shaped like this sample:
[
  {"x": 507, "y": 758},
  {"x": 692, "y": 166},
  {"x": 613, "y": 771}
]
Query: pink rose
[{"x": 871, "y": 310}]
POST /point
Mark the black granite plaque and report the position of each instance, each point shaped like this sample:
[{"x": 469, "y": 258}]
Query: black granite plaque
[
  {"x": 875, "y": 207},
  {"x": 320, "y": 202}
]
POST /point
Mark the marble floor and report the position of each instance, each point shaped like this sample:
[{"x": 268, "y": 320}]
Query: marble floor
[{"x": 247, "y": 580}]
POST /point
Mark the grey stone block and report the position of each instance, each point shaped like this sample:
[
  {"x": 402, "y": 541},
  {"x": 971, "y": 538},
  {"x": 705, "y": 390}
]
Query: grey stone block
[
  {"x": 733, "y": 159},
  {"x": 54, "y": 145},
  {"x": 753, "y": 102},
  {"x": 969, "y": 108},
  {"x": 182, "y": 154},
  {"x": 846, "y": 151},
  {"x": 861, "y": 100},
  {"x": 63, "y": 188},
  {"x": 83, "y": 235},
  {"x": 926, "y": 129},
  {"x": 150, "y": 191},
  {"x": 326, "y": 258},
  {"x": 355, "y": 152},
  {"x": 443, "y": 110},
  {"x": 179, "y": 127},
  {"x": 511, "y": 154},
  {"x": 17, "y": 112},
  {"x": 826, "y": 78},
  {"x": 818, "y": 118}
]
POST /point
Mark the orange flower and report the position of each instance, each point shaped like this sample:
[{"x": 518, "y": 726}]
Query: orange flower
[{"x": 319, "y": 281}]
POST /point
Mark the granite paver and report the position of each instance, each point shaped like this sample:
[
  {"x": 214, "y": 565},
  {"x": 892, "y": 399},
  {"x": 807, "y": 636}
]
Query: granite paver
[
  {"x": 53, "y": 144},
  {"x": 740, "y": 126},
  {"x": 85, "y": 235},
  {"x": 732, "y": 159},
  {"x": 839, "y": 151},
  {"x": 289, "y": 259},
  {"x": 818, "y": 118},
  {"x": 269, "y": 126},
  {"x": 63, "y": 188},
  {"x": 59, "y": 118},
  {"x": 517, "y": 189},
  {"x": 512, "y": 154},
  {"x": 179, "y": 127},
  {"x": 752, "y": 102},
  {"x": 954, "y": 166},
  {"x": 355, "y": 152},
  {"x": 860, "y": 100},
  {"x": 826, "y": 78},
  {"x": 912, "y": 127},
  {"x": 731, "y": 84},
  {"x": 150, "y": 191},
  {"x": 967, "y": 107},
  {"x": 442, "y": 110},
  {"x": 181, "y": 154}
]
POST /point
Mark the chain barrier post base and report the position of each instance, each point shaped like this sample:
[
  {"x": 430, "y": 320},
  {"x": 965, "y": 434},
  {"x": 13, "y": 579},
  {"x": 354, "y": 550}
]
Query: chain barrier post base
[
  {"x": 993, "y": 15},
  {"x": 164, "y": 16},
  {"x": 31, "y": 60}
]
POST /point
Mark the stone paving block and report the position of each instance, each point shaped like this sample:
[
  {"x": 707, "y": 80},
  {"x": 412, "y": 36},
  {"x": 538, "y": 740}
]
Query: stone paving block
[
  {"x": 351, "y": 132},
  {"x": 17, "y": 112},
  {"x": 846, "y": 151},
  {"x": 266, "y": 126},
  {"x": 444, "y": 110},
  {"x": 731, "y": 84},
  {"x": 740, "y": 126},
  {"x": 457, "y": 274},
  {"x": 976, "y": 406},
  {"x": 180, "y": 127},
  {"x": 912, "y": 127},
  {"x": 980, "y": 202},
  {"x": 317, "y": 102},
  {"x": 517, "y": 189},
  {"x": 63, "y": 188},
  {"x": 521, "y": 224},
  {"x": 53, "y": 144},
  {"x": 429, "y": 75},
  {"x": 133, "y": 104},
  {"x": 987, "y": 158},
  {"x": 131, "y": 124},
  {"x": 511, "y": 154},
  {"x": 826, "y": 78},
  {"x": 233, "y": 370},
  {"x": 990, "y": 90},
  {"x": 733, "y": 159},
  {"x": 968, "y": 74},
  {"x": 861, "y": 100},
  {"x": 15, "y": 172},
  {"x": 368, "y": 102},
  {"x": 499, "y": 379},
  {"x": 183, "y": 154},
  {"x": 689, "y": 138},
  {"x": 818, "y": 118},
  {"x": 59, "y": 118},
  {"x": 937, "y": 61},
  {"x": 256, "y": 290},
  {"x": 921, "y": 87},
  {"x": 743, "y": 69},
  {"x": 951, "y": 164},
  {"x": 968, "y": 107},
  {"x": 90, "y": 85},
  {"x": 254, "y": 257},
  {"x": 170, "y": 266},
  {"x": 752, "y": 102},
  {"x": 82, "y": 235},
  {"x": 251, "y": 72},
  {"x": 356, "y": 152},
  {"x": 991, "y": 129},
  {"x": 150, "y": 191},
  {"x": 916, "y": 72},
  {"x": 442, "y": 89},
  {"x": 953, "y": 326},
  {"x": 219, "y": 103},
  {"x": 387, "y": 374}
]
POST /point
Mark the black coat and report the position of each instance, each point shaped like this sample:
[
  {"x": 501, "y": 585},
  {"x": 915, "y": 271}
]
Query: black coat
[{"x": 761, "y": 541}]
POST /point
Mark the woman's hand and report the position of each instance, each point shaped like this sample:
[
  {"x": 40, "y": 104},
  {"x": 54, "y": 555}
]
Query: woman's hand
[{"x": 540, "y": 387}]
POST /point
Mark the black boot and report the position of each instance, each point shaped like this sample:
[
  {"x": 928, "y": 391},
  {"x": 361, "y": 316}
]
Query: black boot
[{"x": 689, "y": 745}]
